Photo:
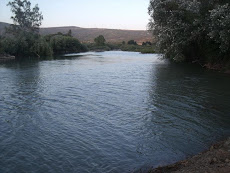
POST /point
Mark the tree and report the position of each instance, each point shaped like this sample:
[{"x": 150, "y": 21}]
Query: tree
[
  {"x": 66, "y": 44},
  {"x": 69, "y": 33},
  {"x": 25, "y": 18},
  {"x": 1, "y": 45},
  {"x": 175, "y": 25},
  {"x": 132, "y": 42},
  {"x": 194, "y": 30},
  {"x": 100, "y": 40},
  {"x": 147, "y": 43},
  {"x": 42, "y": 47},
  {"x": 26, "y": 41},
  {"x": 220, "y": 26}
]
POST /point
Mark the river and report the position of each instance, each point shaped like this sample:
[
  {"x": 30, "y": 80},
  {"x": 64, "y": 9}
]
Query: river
[{"x": 107, "y": 112}]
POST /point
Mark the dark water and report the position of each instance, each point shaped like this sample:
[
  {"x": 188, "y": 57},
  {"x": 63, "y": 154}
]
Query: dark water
[{"x": 107, "y": 112}]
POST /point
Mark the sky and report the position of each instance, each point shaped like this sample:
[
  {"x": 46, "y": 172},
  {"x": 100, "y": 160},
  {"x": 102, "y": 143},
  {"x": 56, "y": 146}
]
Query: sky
[{"x": 114, "y": 14}]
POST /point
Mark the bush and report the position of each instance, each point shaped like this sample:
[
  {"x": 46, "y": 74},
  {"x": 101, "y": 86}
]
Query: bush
[
  {"x": 42, "y": 48},
  {"x": 26, "y": 45},
  {"x": 1, "y": 46},
  {"x": 132, "y": 42},
  {"x": 100, "y": 40},
  {"x": 66, "y": 44}
]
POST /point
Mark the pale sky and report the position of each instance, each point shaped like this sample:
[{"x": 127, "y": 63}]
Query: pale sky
[{"x": 115, "y": 14}]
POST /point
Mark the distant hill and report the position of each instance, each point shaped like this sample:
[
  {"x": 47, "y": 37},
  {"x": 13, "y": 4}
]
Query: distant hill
[
  {"x": 88, "y": 34},
  {"x": 2, "y": 27},
  {"x": 111, "y": 35}
]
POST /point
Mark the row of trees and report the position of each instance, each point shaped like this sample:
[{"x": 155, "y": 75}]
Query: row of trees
[
  {"x": 192, "y": 29},
  {"x": 133, "y": 42},
  {"x": 100, "y": 41},
  {"x": 23, "y": 38}
]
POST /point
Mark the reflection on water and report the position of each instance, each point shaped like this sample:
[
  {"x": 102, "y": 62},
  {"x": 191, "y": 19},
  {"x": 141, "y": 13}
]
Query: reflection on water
[{"x": 107, "y": 112}]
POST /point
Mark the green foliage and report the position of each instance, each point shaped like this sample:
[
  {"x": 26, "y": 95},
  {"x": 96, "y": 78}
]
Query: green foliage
[
  {"x": 137, "y": 48},
  {"x": 147, "y": 43},
  {"x": 19, "y": 45},
  {"x": 25, "y": 18},
  {"x": 1, "y": 46},
  {"x": 132, "y": 42},
  {"x": 220, "y": 26},
  {"x": 23, "y": 39},
  {"x": 100, "y": 40},
  {"x": 8, "y": 45},
  {"x": 66, "y": 44},
  {"x": 26, "y": 45},
  {"x": 114, "y": 46},
  {"x": 120, "y": 46},
  {"x": 191, "y": 30},
  {"x": 98, "y": 48},
  {"x": 69, "y": 33},
  {"x": 42, "y": 47}
]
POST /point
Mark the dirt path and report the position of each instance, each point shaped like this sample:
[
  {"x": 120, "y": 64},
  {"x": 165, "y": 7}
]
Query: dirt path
[{"x": 215, "y": 160}]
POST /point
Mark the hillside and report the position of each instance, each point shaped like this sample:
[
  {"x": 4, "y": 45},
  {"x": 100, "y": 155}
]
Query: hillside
[
  {"x": 2, "y": 27},
  {"x": 88, "y": 34}
]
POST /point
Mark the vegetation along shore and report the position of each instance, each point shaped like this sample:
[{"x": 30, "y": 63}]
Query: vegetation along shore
[{"x": 196, "y": 31}]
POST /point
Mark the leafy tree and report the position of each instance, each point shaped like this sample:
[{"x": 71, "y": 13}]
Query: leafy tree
[
  {"x": 25, "y": 18},
  {"x": 132, "y": 42},
  {"x": 146, "y": 43},
  {"x": 173, "y": 25},
  {"x": 42, "y": 47},
  {"x": 66, "y": 44},
  {"x": 220, "y": 26},
  {"x": 191, "y": 29},
  {"x": 59, "y": 33},
  {"x": 24, "y": 33},
  {"x": 1, "y": 45},
  {"x": 100, "y": 40},
  {"x": 69, "y": 33}
]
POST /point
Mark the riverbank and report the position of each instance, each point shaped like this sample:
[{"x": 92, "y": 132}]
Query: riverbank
[
  {"x": 147, "y": 49},
  {"x": 218, "y": 67},
  {"x": 216, "y": 159},
  {"x": 5, "y": 57}
]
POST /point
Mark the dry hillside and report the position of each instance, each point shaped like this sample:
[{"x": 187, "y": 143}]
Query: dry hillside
[{"x": 88, "y": 34}]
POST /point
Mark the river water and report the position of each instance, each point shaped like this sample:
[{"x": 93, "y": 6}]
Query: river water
[{"x": 107, "y": 112}]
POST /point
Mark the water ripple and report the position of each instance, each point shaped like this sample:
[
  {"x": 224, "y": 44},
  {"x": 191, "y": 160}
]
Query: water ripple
[{"x": 107, "y": 112}]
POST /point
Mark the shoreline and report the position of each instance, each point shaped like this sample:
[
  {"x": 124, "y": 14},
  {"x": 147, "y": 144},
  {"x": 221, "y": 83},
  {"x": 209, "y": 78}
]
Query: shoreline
[
  {"x": 6, "y": 57},
  {"x": 216, "y": 159},
  {"x": 217, "y": 67}
]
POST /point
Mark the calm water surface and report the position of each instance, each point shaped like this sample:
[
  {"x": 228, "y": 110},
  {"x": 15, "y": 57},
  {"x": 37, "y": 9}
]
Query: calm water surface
[{"x": 107, "y": 112}]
